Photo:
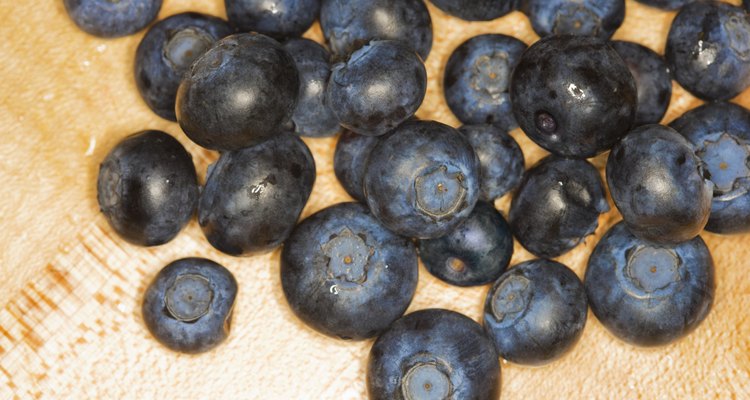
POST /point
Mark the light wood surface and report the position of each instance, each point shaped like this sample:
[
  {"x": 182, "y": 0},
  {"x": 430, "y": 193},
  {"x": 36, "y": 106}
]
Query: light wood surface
[{"x": 70, "y": 323}]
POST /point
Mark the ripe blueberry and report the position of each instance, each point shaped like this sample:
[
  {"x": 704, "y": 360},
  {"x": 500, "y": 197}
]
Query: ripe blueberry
[
  {"x": 599, "y": 18},
  {"x": 110, "y": 19},
  {"x": 276, "y": 18},
  {"x": 350, "y": 160},
  {"x": 501, "y": 160},
  {"x": 476, "y": 10}
]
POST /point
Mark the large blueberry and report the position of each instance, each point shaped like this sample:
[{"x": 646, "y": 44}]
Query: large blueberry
[
  {"x": 350, "y": 24},
  {"x": 166, "y": 53},
  {"x": 666, "y": 4},
  {"x": 112, "y": 18},
  {"x": 312, "y": 117},
  {"x": 500, "y": 158},
  {"x": 658, "y": 184},
  {"x": 720, "y": 134},
  {"x": 380, "y": 86},
  {"x": 350, "y": 161},
  {"x": 557, "y": 206},
  {"x": 647, "y": 294},
  {"x": 573, "y": 95},
  {"x": 433, "y": 354},
  {"x": 147, "y": 188},
  {"x": 708, "y": 49},
  {"x": 239, "y": 93},
  {"x": 599, "y": 18},
  {"x": 476, "y": 10},
  {"x": 188, "y": 306},
  {"x": 477, "y": 79},
  {"x": 276, "y": 18},
  {"x": 476, "y": 253},
  {"x": 345, "y": 274},
  {"x": 254, "y": 196},
  {"x": 422, "y": 180}
]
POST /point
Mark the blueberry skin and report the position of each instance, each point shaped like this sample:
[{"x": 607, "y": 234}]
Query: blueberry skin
[
  {"x": 666, "y": 4},
  {"x": 708, "y": 49},
  {"x": 535, "y": 312},
  {"x": 476, "y": 10},
  {"x": 477, "y": 79},
  {"x": 476, "y": 253},
  {"x": 720, "y": 134},
  {"x": 657, "y": 183},
  {"x": 147, "y": 188},
  {"x": 501, "y": 160},
  {"x": 254, "y": 196},
  {"x": 573, "y": 95},
  {"x": 379, "y": 87},
  {"x": 557, "y": 206},
  {"x": 347, "y": 276},
  {"x": 433, "y": 354},
  {"x": 239, "y": 93},
  {"x": 166, "y": 53},
  {"x": 312, "y": 117},
  {"x": 646, "y": 294},
  {"x": 422, "y": 180},
  {"x": 276, "y": 18},
  {"x": 111, "y": 19},
  {"x": 188, "y": 306},
  {"x": 349, "y": 24},
  {"x": 599, "y": 18},
  {"x": 350, "y": 161}
]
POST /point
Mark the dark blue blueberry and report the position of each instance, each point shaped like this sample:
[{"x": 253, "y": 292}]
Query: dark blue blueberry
[
  {"x": 188, "y": 305},
  {"x": 708, "y": 49},
  {"x": 557, "y": 206},
  {"x": 477, "y": 79},
  {"x": 720, "y": 134},
  {"x": 166, "y": 53},
  {"x": 573, "y": 95},
  {"x": 476, "y": 10},
  {"x": 666, "y": 4},
  {"x": 652, "y": 80},
  {"x": 350, "y": 160},
  {"x": 350, "y": 24},
  {"x": 239, "y": 93},
  {"x": 380, "y": 86},
  {"x": 476, "y": 253},
  {"x": 422, "y": 180},
  {"x": 657, "y": 183},
  {"x": 599, "y": 18},
  {"x": 535, "y": 312},
  {"x": 254, "y": 196},
  {"x": 312, "y": 117},
  {"x": 276, "y": 18},
  {"x": 346, "y": 275},
  {"x": 147, "y": 188},
  {"x": 433, "y": 354},
  {"x": 646, "y": 294},
  {"x": 112, "y": 18},
  {"x": 500, "y": 158}
]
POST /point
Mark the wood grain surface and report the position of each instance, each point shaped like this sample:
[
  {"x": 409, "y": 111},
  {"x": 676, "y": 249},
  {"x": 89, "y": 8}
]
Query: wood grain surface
[{"x": 70, "y": 323}]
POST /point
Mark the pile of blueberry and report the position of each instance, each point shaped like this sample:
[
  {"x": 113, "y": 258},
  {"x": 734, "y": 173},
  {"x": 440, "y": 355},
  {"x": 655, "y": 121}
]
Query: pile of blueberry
[{"x": 424, "y": 189}]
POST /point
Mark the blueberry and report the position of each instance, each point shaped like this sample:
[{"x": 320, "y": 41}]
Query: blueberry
[
  {"x": 433, "y": 354},
  {"x": 188, "y": 305},
  {"x": 573, "y": 95},
  {"x": 254, "y": 196},
  {"x": 477, "y": 79},
  {"x": 276, "y": 18},
  {"x": 350, "y": 160},
  {"x": 239, "y": 93},
  {"x": 500, "y": 158},
  {"x": 147, "y": 188},
  {"x": 379, "y": 87},
  {"x": 166, "y": 53},
  {"x": 599, "y": 18},
  {"x": 720, "y": 134},
  {"x": 708, "y": 49},
  {"x": 422, "y": 180},
  {"x": 476, "y": 10},
  {"x": 110, "y": 19},
  {"x": 476, "y": 253},
  {"x": 350, "y": 24},
  {"x": 535, "y": 312},
  {"x": 652, "y": 80},
  {"x": 347, "y": 276},
  {"x": 646, "y": 294},
  {"x": 557, "y": 206},
  {"x": 666, "y": 4}
]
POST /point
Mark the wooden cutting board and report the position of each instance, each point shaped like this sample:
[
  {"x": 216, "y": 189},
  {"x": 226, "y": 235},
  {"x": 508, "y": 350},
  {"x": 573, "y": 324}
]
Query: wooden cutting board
[{"x": 70, "y": 324}]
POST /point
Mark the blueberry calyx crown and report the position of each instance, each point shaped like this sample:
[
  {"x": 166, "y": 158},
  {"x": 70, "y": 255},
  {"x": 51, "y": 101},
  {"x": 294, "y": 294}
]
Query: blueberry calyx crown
[
  {"x": 651, "y": 272},
  {"x": 511, "y": 299},
  {"x": 491, "y": 73},
  {"x": 427, "y": 380},
  {"x": 348, "y": 257},
  {"x": 439, "y": 193},
  {"x": 574, "y": 17},
  {"x": 727, "y": 160},
  {"x": 184, "y": 46},
  {"x": 189, "y": 297}
]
